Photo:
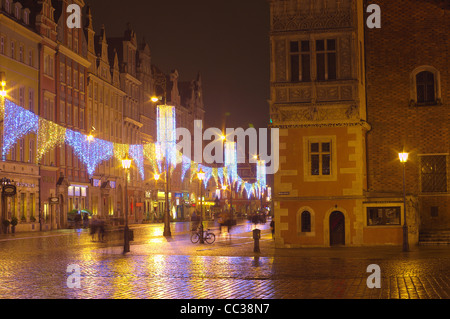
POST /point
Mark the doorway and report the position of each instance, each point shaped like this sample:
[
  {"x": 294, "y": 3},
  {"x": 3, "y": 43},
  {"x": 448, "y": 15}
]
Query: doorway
[{"x": 337, "y": 229}]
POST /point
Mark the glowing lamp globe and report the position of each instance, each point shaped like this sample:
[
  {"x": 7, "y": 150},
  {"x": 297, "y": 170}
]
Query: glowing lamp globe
[
  {"x": 201, "y": 175},
  {"x": 126, "y": 163},
  {"x": 403, "y": 157}
]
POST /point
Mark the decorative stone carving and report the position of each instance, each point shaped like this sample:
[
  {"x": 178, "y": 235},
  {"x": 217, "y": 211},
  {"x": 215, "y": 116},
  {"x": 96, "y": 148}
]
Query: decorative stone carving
[
  {"x": 300, "y": 94},
  {"x": 294, "y": 22},
  {"x": 281, "y": 95},
  {"x": 280, "y": 61},
  {"x": 328, "y": 93},
  {"x": 352, "y": 112},
  {"x": 346, "y": 93},
  {"x": 317, "y": 113},
  {"x": 346, "y": 58}
]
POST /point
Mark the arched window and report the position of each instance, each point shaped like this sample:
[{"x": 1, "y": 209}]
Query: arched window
[
  {"x": 425, "y": 86},
  {"x": 306, "y": 222}
]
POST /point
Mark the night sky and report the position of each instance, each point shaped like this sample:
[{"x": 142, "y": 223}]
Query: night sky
[{"x": 226, "y": 41}]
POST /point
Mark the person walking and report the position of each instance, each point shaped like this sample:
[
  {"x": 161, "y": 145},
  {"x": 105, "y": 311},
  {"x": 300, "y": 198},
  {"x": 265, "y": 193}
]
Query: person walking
[{"x": 272, "y": 226}]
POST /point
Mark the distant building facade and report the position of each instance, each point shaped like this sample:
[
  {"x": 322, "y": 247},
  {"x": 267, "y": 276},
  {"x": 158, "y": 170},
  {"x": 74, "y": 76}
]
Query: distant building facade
[
  {"x": 92, "y": 84},
  {"x": 347, "y": 100}
]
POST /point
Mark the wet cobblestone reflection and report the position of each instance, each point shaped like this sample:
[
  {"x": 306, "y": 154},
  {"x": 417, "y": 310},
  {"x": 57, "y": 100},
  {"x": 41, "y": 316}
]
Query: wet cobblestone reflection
[{"x": 34, "y": 266}]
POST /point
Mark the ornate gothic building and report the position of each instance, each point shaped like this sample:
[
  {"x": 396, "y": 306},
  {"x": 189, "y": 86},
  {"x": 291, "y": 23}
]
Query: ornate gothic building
[{"x": 347, "y": 100}]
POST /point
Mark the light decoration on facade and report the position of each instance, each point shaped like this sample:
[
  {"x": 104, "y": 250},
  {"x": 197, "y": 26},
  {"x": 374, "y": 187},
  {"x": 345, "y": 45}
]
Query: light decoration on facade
[
  {"x": 185, "y": 166},
  {"x": 208, "y": 173},
  {"x": 120, "y": 151},
  {"x": 194, "y": 169},
  {"x": 149, "y": 153},
  {"x": 231, "y": 161},
  {"x": 166, "y": 133},
  {"x": 90, "y": 153},
  {"x": 50, "y": 135},
  {"x": 18, "y": 123},
  {"x": 239, "y": 183},
  {"x": 261, "y": 177},
  {"x": 137, "y": 154},
  {"x": 249, "y": 188}
]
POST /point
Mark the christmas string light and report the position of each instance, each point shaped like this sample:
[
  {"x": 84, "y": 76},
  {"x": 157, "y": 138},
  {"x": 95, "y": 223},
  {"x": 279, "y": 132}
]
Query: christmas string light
[
  {"x": 261, "y": 177},
  {"x": 50, "y": 135},
  {"x": 220, "y": 174},
  {"x": 18, "y": 123},
  {"x": 120, "y": 151},
  {"x": 185, "y": 166},
  {"x": 194, "y": 170},
  {"x": 90, "y": 153},
  {"x": 215, "y": 175},
  {"x": 166, "y": 133},
  {"x": 137, "y": 154},
  {"x": 149, "y": 151},
  {"x": 208, "y": 173},
  {"x": 231, "y": 161},
  {"x": 248, "y": 189}
]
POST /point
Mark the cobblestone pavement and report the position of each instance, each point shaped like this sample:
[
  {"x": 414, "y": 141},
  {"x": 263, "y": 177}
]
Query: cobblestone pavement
[{"x": 34, "y": 265}]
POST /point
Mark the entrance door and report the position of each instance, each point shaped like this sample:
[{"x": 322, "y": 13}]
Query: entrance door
[{"x": 337, "y": 229}]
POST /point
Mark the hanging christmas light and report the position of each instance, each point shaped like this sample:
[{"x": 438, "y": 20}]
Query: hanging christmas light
[
  {"x": 50, "y": 135},
  {"x": 137, "y": 154},
  {"x": 18, "y": 123},
  {"x": 149, "y": 151},
  {"x": 261, "y": 177},
  {"x": 166, "y": 133},
  {"x": 194, "y": 169},
  {"x": 90, "y": 153},
  {"x": 208, "y": 173},
  {"x": 120, "y": 151},
  {"x": 231, "y": 161},
  {"x": 248, "y": 189},
  {"x": 185, "y": 166}
]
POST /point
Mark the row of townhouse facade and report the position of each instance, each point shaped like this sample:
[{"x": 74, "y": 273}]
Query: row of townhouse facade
[{"x": 95, "y": 85}]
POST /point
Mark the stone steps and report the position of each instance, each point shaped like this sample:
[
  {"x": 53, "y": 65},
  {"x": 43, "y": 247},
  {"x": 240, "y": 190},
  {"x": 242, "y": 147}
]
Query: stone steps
[{"x": 438, "y": 237}]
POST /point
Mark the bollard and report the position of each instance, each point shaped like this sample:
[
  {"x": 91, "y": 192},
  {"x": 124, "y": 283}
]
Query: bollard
[{"x": 256, "y": 237}]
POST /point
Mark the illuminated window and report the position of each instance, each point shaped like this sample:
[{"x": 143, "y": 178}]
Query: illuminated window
[{"x": 382, "y": 216}]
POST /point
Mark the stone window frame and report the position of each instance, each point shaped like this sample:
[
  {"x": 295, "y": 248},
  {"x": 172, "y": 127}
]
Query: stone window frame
[
  {"x": 307, "y": 176},
  {"x": 437, "y": 86},
  {"x": 312, "y": 232}
]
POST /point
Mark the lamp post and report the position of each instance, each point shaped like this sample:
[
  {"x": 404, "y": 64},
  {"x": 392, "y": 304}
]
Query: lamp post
[
  {"x": 126, "y": 164},
  {"x": 201, "y": 176},
  {"x": 3, "y": 85},
  {"x": 167, "y": 232},
  {"x": 224, "y": 187},
  {"x": 403, "y": 159}
]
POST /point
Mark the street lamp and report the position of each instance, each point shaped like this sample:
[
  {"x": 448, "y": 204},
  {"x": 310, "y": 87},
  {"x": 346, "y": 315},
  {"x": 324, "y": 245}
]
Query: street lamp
[
  {"x": 126, "y": 164},
  {"x": 201, "y": 176},
  {"x": 403, "y": 159},
  {"x": 2, "y": 84}
]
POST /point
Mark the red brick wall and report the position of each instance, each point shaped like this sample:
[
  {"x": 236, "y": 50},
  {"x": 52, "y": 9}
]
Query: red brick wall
[{"x": 413, "y": 33}]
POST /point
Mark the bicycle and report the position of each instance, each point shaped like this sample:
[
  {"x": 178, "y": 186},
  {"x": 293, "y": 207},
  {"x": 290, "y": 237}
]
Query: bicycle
[{"x": 208, "y": 237}]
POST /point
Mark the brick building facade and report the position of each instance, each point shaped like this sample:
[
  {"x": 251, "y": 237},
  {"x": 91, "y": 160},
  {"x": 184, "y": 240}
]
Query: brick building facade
[
  {"x": 408, "y": 107},
  {"x": 347, "y": 100}
]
